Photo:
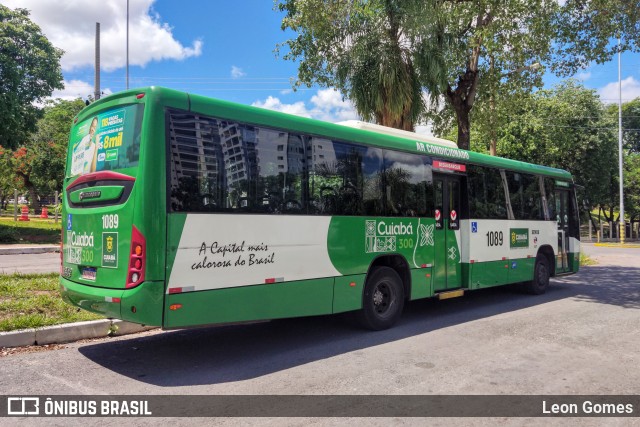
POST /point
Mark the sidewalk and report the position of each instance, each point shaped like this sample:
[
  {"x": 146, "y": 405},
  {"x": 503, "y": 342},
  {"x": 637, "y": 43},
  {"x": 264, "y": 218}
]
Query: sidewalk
[
  {"x": 70, "y": 332},
  {"x": 15, "y": 249}
]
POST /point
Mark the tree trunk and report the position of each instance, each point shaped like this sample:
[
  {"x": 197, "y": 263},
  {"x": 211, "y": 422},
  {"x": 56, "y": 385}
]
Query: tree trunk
[
  {"x": 464, "y": 131},
  {"x": 462, "y": 100},
  {"x": 35, "y": 203},
  {"x": 404, "y": 123}
]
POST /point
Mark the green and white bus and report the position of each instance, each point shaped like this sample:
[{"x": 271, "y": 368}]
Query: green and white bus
[{"x": 181, "y": 210}]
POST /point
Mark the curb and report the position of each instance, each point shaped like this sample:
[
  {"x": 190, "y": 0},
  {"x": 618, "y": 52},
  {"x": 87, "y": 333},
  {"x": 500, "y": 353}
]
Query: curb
[
  {"x": 60, "y": 334},
  {"x": 29, "y": 250},
  {"x": 618, "y": 245}
]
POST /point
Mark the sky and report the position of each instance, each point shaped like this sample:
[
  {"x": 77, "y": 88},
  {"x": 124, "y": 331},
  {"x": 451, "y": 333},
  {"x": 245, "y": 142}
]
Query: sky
[{"x": 219, "y": 48}]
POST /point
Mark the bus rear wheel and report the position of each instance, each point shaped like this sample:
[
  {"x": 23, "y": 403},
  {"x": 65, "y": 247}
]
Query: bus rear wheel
[
  {"x": 541, "y": 275},
  {"x": 382, "y": 301}
]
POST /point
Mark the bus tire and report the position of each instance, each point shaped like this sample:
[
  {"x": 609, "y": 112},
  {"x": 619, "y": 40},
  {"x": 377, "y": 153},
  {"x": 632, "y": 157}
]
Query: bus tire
[
  {"x": 541, "y": 275},
  {"x": 382, "y": 300}
]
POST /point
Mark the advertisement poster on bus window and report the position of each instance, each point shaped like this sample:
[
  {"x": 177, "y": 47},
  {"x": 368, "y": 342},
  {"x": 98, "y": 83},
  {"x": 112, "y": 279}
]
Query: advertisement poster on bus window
[{"x": 104, "y": 142}]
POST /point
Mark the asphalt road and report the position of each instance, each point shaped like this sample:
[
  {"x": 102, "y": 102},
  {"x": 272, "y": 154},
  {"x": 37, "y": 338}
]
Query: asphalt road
[
  {"x": 30, "y": 263},
  {"x": 581, "y": 337}
]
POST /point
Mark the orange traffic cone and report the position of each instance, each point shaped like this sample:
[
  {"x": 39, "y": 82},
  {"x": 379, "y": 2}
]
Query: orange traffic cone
[
  {"x": 25, "y": 214},
  {"x": 44, "y": 213}
]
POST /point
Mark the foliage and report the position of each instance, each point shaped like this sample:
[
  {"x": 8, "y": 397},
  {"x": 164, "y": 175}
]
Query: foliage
[
  {"x": 7, "y": 177},
  {"x": 632, "y": 186},
  {"x": 630, "y": 123},
  {"x": 382, "y": 54},
  {"x": 38, "y": 166},
  {"x": 584, "y": 30},
  {"x": 49, "y": 144},
  {"x": 367, "y": 50},
  {"x": 565, "y": 127},
  {"x": 21, "y": 165},
  {"x": 29, "y": 72},
  {"x": 496, "y": 44},
  {"x": 34, "y": 231}
]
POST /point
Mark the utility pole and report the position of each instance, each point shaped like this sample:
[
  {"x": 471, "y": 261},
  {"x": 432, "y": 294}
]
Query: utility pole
[
  {"x": 96, "y": 80},
  {"x": 620, "y": 160},
  {"x": 127, "y": 44}
]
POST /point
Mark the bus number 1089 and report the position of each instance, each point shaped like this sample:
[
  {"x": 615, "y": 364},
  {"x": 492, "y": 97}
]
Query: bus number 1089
[{"x": 495, "y": 238}]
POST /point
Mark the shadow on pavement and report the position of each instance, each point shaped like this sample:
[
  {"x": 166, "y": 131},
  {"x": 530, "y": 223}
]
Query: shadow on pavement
[{"x": 224, "y": 354}]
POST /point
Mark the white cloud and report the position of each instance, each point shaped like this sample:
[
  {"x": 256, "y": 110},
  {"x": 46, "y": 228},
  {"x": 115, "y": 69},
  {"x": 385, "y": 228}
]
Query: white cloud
[
  {"x": 329, "y": 106},
  {"x": 271, "y": 103},
  {"x": 70, "y": 25},
  {"x": 630, "y": 90},
  {"x": 74, "y": 89},
  {"x": 236, "y": 72},
  {"x": 584, "y": 76},
  {"x": 425, "y": 130},
  {"x": 326, "y": 104}
]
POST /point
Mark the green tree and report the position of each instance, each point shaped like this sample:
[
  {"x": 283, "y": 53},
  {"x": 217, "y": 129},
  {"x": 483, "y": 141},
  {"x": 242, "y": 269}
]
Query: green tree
[
  {"x": 496, "y": 43},
  {"x": 384, "y": 54},
  {"x": 630, "y": 123},
  {"x": 29, "y": 72},
  {"x": 366, "y": 49},
  {"x": 632, "y": 186},
  {"x": 7, "y": 177},
  {"x": 49, "y": 144},
  {"x": 585, "y": 29},
  {"x": 565, "y": 127}
]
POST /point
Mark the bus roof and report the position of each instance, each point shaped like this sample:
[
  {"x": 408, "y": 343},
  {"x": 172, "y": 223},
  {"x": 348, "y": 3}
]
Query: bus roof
[{"x": 397, "y": 140}]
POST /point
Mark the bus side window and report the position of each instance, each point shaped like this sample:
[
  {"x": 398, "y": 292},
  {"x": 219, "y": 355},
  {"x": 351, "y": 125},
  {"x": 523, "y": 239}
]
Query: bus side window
[
  {"x": 525, "y": 195},
  {"x": 407, "y": 180},
  {"x": 486, "y": 194}
]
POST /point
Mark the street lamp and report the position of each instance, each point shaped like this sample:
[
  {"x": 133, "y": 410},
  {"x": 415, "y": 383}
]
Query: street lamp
[
  {"x": 620, "y": 162},
  {"x": 127, "y": 44}
]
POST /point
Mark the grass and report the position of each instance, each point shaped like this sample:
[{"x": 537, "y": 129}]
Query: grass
[
  {"x": 33, "y": 231},
  {"x": 33, "y": 301},
  {"x": 585, "y": 260}
]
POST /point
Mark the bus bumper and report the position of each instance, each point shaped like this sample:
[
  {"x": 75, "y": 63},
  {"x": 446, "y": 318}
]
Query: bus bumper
[{"x": 142, "y": 304}]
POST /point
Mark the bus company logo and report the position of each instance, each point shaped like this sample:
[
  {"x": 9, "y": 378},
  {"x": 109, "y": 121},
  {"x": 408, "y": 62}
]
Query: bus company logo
[
  {"x": 74, "y": 255},
  {"x": 381, "y": 237},
  {"x": 83, "y": 240},
  {"x": 375, "y": 243},
  {"x": 519, "y": 237},
  {"x": 90, "y": 194},
  {"x": 111, "y": 155},
  {"x": 23, "y": 406},
  {"x": 110, "y": 250}
]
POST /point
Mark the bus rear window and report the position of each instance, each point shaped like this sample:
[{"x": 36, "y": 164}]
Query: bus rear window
[{"x": 108, "y": 140}]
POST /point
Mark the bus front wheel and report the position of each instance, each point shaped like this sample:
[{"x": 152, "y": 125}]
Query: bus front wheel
[
  {"x": 383, "y": 299},
  {"x": 541, "y": 275}
]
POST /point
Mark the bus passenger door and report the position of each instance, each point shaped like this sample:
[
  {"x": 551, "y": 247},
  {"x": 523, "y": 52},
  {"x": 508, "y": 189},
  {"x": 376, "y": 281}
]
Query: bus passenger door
[
  {"x": 562, "y": 218},
  {"x": 447, "y": 273}
]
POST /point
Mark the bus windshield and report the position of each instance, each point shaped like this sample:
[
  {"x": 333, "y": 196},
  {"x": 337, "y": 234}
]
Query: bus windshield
[{"x": 108, "y": 140}]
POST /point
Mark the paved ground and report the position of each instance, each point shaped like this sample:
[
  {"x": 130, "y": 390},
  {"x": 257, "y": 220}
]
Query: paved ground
[
  {"x": 30, "y": 263},
  {"x": 579, "y": 338}
]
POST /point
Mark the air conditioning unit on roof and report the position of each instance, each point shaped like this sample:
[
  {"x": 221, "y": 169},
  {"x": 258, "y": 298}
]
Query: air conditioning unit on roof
[{"x": 398, "y": 132}]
